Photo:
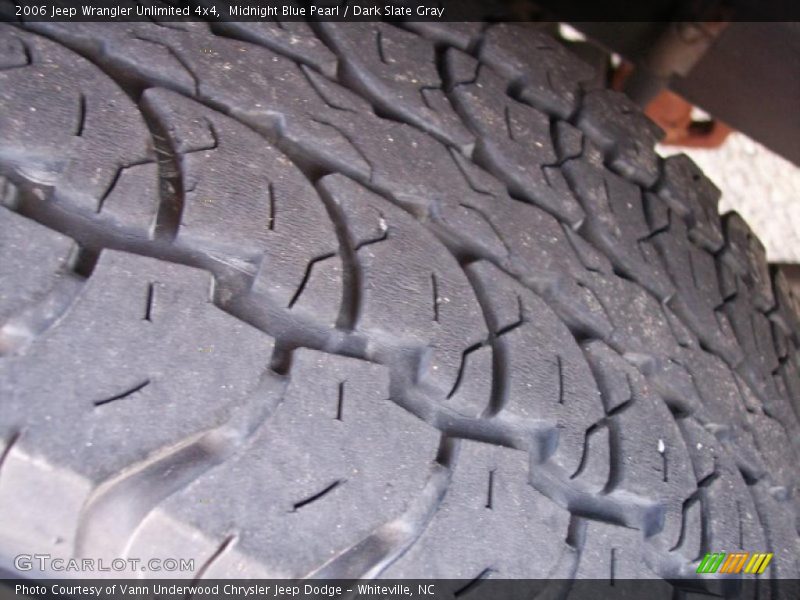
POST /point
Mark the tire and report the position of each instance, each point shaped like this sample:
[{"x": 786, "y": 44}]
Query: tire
[{"x": 373, "y": 300}]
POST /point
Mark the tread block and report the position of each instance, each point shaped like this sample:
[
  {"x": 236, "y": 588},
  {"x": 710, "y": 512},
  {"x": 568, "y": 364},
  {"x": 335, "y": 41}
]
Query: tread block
[
  {"x": 66, "y": 125},
  {"x": 486, "y": 524},
  {"x": 397, "y": 71},
  {"x": 595, "y": 469},
  {"x": 399, "y": 262},
  {"x": 543, "y": 375},
  {"x": 142, "y": 49},
  {"x": 730, "y": 519},
  {"x": 462, "y": 35},
  {"x": 514, "y": 141},
  {"x": 745, "y": 256},
  {"x": 787, "y": 313},
  {"x": 690, "y": 543},
  {"x": 15, "y": 53},
  {"x": 642, "y": 331},
  {"x": 694, "y": 198},
  {"x": 779, "y": 521},
  {"x": 648, "y": 455},
  {"x": 622, "y": 131},
  {"x": 790, "y": 372},
  {"x": 123, "y": 365},
  {"x": 335, "y": 460},
  {"x": 736, "y": 523},
  {"x": 294, "y": 39},
  {"x": 771, "y": 438},
  {"x": 274, "y": 218},
  {"x": 622, "y": 299},
  {"x": 278, "y": 99},
  {"x": 132, "y": 201},
  {"x": 472, "y": 392},
  {"x": 616, "y": 223},
  {"x": 589, "y": 256},
  {"x": 725, "y": 411},
  {"x": 704, "y": 449},
  {"x": 544, "y": 73},
  {"x": 34, "y": 259},
  {"x": 698, "y": 298},
  {"x": 610, "y": 552},
  {"x": 614, "y": 383},
  {"x": 336, "y": 96},
  {"x": 753, "y": 332}
]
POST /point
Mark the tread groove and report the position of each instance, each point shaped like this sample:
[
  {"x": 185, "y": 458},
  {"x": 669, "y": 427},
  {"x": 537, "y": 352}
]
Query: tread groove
[
  {"x": 226, "y": 544},
  {"x": 319, "y": 495},
  {"x": 176, "y": 55},
  {"x": 509, "y": 126},
  {"x": 612, "y": 576},
  {"x": 353, "y": 276},
  {"x": 490, "y": 491},
  {"x": 148, "y": 310},
  {"x": 685, "y": 507},
  {"x": 307, "y": 276},
  {"x": 560, "y": 375},
  {"x": 81, "y": 115},
  {"x": 462, "y": 366},
  {"x": 271, "y": 197},
  {"x": 585, "y": 454},
  {"x": 171, "y": 205},
  {"x": 435, "y": 292},
  {"x": 379, "y": 46},
  {"x": 12, "y": 441},
  {"x": 122, "y": 395},
  {"x": 376, "y": 240},
  {"x": 474, "y": 583},
  {"x": 340, "y": 401}
]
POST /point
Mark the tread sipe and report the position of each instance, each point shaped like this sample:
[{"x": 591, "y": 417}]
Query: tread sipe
[{"x": 375, "y": 300}]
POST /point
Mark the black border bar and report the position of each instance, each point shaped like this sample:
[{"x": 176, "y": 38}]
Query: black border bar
[{"x": 412, "y": 10}]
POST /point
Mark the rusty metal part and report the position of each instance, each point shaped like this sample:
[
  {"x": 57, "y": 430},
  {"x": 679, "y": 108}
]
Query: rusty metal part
[{"x": 674, "y": 115}]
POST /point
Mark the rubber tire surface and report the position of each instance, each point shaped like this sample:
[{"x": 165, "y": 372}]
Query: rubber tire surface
[{"x": 375, "y": 300}]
